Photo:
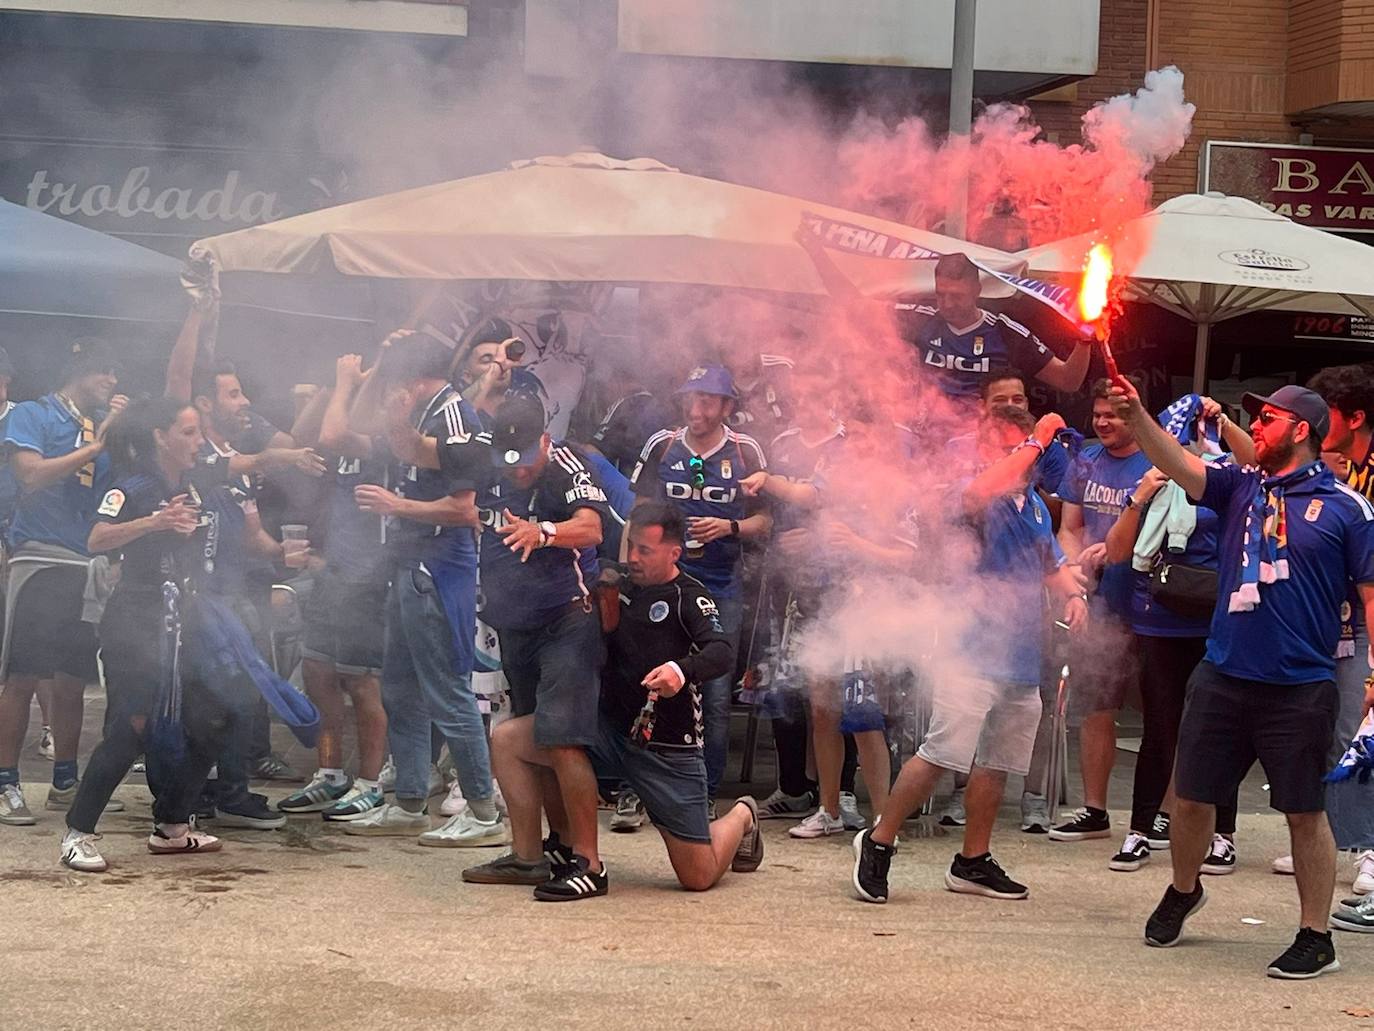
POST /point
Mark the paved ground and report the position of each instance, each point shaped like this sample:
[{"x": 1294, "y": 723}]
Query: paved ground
[{"x": 307, "y": 928}]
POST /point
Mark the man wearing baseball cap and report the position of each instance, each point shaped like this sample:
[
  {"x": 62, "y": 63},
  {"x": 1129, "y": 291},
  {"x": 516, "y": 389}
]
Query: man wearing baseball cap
[
  {"x": 541, "y": 525},
  {"x": 1292, "y": 540},
  {"x": 698, "y": 469}
]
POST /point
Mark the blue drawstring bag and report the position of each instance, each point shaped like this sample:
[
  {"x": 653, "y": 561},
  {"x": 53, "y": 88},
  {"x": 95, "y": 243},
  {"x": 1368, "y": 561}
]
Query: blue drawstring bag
[{"x": 221, "y": 654}]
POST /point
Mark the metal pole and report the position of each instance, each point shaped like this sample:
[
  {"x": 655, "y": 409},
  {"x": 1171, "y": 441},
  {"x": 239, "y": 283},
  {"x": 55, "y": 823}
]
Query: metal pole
[
  {"x": 1206, "y": 302},
  {"x": 961, "y": 104}
]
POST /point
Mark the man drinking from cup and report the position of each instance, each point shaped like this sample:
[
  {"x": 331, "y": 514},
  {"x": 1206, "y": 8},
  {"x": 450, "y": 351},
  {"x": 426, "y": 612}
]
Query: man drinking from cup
[{"x": 697, "y": 468}]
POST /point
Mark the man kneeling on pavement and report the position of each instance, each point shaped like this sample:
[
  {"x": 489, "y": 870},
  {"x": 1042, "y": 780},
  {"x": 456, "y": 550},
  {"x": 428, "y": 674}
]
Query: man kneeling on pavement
[{"x": 541, "y": 551}]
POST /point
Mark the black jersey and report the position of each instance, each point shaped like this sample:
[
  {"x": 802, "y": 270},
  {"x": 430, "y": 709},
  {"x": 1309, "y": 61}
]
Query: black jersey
[{"x": 673, "y": 622}]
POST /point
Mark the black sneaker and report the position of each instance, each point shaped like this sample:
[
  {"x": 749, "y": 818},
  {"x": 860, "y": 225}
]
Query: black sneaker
[
  {"x": 577, "y": 881},
  {"x": 1221, "y": 857},
  {"x": 1165, "y": 925},
  {"x": 982, "y": 875},
  {"x": 872, "y": 860},
  {"x": 558, "y": 855},
  {"x": 1086, "y": 823},
  {"x": 1159, "y": 833},
  {"x": 1311, "y": 955},
  {"x": 1135, "y": 853},
  {"x": 274, "y": 767},
  {"x": 508, "y": 869}
]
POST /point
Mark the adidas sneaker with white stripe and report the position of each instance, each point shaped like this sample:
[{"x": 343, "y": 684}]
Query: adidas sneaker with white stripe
[{"x": 577, "y": 881}]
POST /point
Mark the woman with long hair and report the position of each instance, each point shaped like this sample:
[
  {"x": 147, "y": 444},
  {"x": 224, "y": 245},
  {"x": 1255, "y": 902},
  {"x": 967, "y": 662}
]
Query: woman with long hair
[{"x": 152, "y": 523}]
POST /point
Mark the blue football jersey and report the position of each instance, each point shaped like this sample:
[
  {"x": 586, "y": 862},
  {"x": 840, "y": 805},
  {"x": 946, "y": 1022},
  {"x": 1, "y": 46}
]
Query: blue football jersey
[
  {"x": 960, "y": 360},
  {"x": 703, "y": 485}
]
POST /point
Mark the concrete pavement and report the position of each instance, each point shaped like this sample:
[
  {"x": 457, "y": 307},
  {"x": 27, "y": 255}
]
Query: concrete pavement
[{"x": 307, "y": 928}]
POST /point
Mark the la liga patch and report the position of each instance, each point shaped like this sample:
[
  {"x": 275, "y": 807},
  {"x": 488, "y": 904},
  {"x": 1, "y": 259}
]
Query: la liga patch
[{"x": 112, "y": 504}]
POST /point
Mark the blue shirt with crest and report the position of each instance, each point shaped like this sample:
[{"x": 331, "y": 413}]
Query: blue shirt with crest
[
  {"x": 961, "y": 361},
  {"x": 1290, "y": 636},
  {"x": 61, "y": 513},
  {"x": 1099, "y": 483},
  {"x": 703, "y": 485}
]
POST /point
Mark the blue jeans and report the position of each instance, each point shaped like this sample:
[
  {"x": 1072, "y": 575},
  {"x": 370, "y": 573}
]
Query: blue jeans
[
  {"x": 715, "y": 700},
  {"x": 422, "y": 685}
]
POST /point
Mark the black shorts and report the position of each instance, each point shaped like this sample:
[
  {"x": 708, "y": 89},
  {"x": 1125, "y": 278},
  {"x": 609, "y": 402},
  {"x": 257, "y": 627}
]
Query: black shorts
[
  {"x": 1228, "y": 723},
  {"x": 344, "y": 625},
  {"x": 554, "y": 674},
  {"x": 48, "y": 636}
]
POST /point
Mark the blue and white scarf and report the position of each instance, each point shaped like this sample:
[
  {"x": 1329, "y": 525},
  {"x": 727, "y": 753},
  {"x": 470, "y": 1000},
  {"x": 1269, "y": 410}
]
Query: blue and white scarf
[
  {"x": 1183, "y": 421},
  {"x": 1358, "y": 759},
  {"x": 1265, "y": 556}
]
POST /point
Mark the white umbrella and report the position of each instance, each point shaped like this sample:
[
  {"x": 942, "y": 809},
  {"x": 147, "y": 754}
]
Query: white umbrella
[
  {"x": 590, "y": 218},
  {"x": 1210, "y": 258}
]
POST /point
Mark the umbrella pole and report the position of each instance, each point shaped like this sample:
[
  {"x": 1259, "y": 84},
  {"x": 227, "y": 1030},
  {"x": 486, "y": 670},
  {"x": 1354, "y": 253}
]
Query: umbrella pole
[
  {"x": 1200, "y": 358},
  {"x": 1205, "y": 311}
]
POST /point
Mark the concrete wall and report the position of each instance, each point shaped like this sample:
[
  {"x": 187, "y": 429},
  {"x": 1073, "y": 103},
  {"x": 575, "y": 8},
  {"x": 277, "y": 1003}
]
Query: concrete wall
[{"x": 1057, "y": 37}]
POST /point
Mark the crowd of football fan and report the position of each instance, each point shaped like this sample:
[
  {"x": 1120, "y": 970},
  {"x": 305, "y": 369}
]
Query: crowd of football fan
[{"x": 533, "y": 629}]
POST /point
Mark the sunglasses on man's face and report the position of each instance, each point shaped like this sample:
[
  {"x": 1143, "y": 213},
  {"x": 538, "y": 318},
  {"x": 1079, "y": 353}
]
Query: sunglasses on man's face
[
  {"x": 1268, "y": 418},
  {"x": 698, "y": 466}
]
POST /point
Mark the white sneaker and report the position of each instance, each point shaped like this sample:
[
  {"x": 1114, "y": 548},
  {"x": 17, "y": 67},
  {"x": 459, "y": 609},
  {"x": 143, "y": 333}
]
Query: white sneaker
[
  {"x": 13, "y": 809},
  {"x": 466, "y": 831},
  {"x": 389, "y": 820},
  {"x": 79, "y": 853},
  {"x": 850, "y": 816},
  {"x": 455, "y": 803},
  {"x": 1364, "y": 872},
  {"x": 1283, "y": 865},
  {"x": 161, "y": 843},
  {"x": 817, "y": 825},
  {"x": 437, "y": 784},
  {"x": 61, "y": 799},
  {"x": 387, "y": 778},
  {"x": 45, "y": 745}
]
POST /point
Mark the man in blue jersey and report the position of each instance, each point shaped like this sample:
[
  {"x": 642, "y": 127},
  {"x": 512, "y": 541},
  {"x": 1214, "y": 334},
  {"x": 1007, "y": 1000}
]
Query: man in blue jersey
[
  {"x": 1103, "y": 660},
  {"x": 344, "y": 621},
  {"x": 1292, "y": 540},
  {"x": 698, "y": 469},
  {"x": 57, "y": 453},
  {"x": 428, "y": 518},
  {"x": 957, "y": 343},
  {"x": 541, "y": 525},
  {"x": 983, "y": 721}
]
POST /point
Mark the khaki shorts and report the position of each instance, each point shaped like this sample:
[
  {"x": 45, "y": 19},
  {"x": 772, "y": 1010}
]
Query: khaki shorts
[{"x": 982, "y": 723}]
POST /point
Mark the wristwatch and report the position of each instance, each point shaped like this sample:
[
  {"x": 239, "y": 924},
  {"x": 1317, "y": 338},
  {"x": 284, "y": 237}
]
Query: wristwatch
[
  {"x": 547, "y": 532},
  {"x": 734, "y": 527}
]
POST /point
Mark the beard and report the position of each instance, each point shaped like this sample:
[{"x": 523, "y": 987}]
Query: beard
[{"x": 1274, "y": 458}]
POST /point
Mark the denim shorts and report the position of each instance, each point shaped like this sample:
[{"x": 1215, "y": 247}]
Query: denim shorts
[
  {"x": 554, "y": 674},
  {"x": 982, "y": 723},
  {"x": 670, "y": 782},
  {"x": 344, "y": 625}
]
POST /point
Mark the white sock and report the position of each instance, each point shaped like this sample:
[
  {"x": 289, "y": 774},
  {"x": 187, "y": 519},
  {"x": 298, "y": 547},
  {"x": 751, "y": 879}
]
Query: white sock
[
  {"x": 72, "y": 834},
  {"x": 174, "y": 830},
  {"x": 334, "y": 777},
  {"x": 483, "y": 809},
  {"x": 367, "y": 785}
]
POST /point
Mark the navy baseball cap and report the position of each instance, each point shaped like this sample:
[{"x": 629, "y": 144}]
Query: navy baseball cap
[
  {"x": 1306, "y": 404},
  {"x": 516, "y": 430},
  {"x": 709, "y": 379}
]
